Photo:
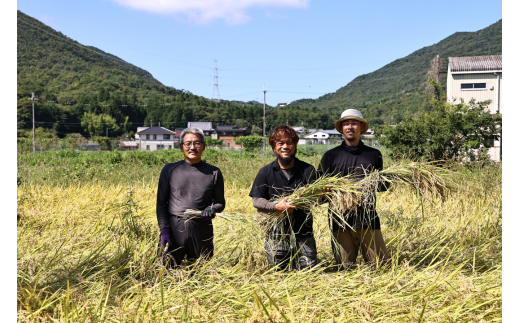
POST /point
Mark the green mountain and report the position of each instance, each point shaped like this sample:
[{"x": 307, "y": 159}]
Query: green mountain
[
  {"x": 398, "y": 88},
  {"x": 70, "y": 79}
]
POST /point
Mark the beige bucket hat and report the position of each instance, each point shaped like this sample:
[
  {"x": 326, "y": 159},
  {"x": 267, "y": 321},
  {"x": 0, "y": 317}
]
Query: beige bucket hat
[{"x": 351, "y": 114}]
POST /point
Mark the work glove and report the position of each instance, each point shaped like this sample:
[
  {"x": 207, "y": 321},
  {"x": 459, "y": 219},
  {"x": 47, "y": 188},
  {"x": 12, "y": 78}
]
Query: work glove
[
  {"x": 209, "y": 212},
  {"x": 165, "y": 236}
]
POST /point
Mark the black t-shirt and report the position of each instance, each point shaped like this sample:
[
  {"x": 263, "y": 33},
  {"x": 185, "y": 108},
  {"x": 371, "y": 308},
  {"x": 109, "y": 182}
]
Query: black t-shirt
[
  {"x": 347, "y": 160},
  {"x": 270, "y": 183}
]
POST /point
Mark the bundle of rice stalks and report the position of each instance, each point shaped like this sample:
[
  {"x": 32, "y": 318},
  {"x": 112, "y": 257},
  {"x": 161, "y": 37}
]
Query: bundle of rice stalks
[
  {"x": 425, "y": 179},
  {"x": 344, "y": 194}
]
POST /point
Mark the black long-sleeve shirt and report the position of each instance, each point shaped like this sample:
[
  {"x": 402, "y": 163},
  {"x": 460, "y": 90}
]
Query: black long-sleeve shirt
[
  {"x": 347, "y": 160},
  {"x": 185, "y": 186}
]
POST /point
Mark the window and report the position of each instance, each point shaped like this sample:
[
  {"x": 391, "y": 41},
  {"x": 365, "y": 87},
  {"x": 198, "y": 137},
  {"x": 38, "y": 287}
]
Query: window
[
  {"x": 166, "y": 137},
  {"x": 154, "y": 137},
  {"x": 473, "y": 86},
  {"x": 147, "y": 136},
  {"x": 234, "y": 133},
  {"x": 147, "y": 146},
  {"x": 315, "y": 135},
  {"x": 223, "y": 133},
  {"x": 169, "y": 146},
  {"x": 160, "y": 147}
]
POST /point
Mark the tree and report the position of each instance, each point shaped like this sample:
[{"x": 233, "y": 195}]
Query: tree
[
  {"x": 214, "y": 142},
  {"x": 249, "y": 142},
  {"x": 448, "y": 131},
  {"x": 97, "y": 124}
]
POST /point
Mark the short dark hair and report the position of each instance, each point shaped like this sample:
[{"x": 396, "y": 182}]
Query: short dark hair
[{"x": 283, "y": 131}]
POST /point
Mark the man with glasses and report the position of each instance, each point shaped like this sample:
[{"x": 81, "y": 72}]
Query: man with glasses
[
  {"x": 184, "y": 185},
  {"x": 294, "y": 238}
]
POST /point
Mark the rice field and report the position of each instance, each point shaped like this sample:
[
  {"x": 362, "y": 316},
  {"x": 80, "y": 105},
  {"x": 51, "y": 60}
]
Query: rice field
[{"x": 87, "y": 252}]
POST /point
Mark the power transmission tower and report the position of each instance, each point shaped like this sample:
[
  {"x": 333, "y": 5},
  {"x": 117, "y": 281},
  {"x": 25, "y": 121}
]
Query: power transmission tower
[
  {"x": 215, "y": 85},
  {"x": 32, "y": 98}
]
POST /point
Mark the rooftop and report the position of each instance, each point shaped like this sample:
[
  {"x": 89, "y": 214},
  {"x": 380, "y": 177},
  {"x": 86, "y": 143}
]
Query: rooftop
[
  {"x": 204, "y": 126},
  {"x": 226, "y": 128},
  {"x": 475, "y": 63},
  {"x": 156, "y": 131}
]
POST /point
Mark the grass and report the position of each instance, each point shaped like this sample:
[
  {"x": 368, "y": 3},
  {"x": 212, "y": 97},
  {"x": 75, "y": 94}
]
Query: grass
[{"x": 87, "y": 252}]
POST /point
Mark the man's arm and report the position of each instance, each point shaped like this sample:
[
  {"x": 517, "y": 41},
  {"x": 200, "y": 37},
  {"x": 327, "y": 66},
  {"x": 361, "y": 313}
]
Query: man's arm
[
  {"x": 163, "y": 197},
  {"x": 385, "y": 185},
  {"x": 219, "y": 201},
  {"x": 260, "y": 189},
  {"x": 263, "y": 205}
]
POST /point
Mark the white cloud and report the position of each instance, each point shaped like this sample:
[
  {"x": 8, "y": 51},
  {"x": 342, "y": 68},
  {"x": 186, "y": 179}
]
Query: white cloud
[{"x": 205, "y": 11}]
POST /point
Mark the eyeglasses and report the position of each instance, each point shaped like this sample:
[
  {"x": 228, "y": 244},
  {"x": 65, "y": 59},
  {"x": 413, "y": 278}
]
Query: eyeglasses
[{"x": 196, "y": 144}]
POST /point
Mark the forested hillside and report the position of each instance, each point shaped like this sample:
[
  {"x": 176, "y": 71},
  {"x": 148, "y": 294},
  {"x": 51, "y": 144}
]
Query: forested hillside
[
  {"x": 78, "y": 84},
  {"x": 82, "y": 89},
  {"x": 399, "y": 87}
]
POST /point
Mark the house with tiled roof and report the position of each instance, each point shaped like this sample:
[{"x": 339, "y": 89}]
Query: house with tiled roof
[
  {"x": 479, "y": 78},
  {"x": 228, "y": 133},
  {"x": 155, "y": 138},
  {"x": 206, "y": 127}
]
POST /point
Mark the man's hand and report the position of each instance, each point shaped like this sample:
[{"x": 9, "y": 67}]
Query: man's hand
[
  {"x": 208, "y": 212},
  {"x": 165, "y": 236},
  {"x": 283, "y": 206}
]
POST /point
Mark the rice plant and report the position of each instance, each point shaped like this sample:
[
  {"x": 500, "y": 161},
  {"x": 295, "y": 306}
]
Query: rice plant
[{"x": 446, "y": 258}]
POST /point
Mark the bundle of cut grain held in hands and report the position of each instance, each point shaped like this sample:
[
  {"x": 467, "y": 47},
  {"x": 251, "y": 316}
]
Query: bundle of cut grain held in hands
[{"x": 346, "y": 193}]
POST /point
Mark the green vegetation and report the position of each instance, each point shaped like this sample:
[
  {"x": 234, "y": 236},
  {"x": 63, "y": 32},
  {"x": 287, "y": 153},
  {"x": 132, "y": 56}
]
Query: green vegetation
[
  {"x": 249, "y": 142},
  {"x": 87, "y": 250},
  {"x": 397, "y": 89},
  {"x": 448, "y": 131}
]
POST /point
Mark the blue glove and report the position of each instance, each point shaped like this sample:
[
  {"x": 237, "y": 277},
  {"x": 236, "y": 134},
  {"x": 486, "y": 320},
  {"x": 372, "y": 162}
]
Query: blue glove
[
  {"x": 165, "y": 236},
  {"x": 208, "y": 212}
]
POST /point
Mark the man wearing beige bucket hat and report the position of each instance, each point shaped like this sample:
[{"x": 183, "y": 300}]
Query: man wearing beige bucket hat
[{"x": 353, "y": 157}]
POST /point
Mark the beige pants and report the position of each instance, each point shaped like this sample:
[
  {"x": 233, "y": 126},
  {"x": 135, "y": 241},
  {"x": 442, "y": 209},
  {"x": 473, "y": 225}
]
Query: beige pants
[{"x": 346, "y": 243}]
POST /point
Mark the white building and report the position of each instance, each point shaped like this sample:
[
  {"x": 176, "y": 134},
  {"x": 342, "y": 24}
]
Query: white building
[
  {"x": 155, "y": 138},
  {"x": 321, "y": 136},
  {"x": 479, "y": 78},
  {"x": 206, "y": 127}
]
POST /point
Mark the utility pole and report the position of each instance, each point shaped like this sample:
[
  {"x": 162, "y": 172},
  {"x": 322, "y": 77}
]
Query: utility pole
[
  {"x": 32, "y": 98},
  {"x": 107, "y": 132},
  {"x": 264, "y": 121}
]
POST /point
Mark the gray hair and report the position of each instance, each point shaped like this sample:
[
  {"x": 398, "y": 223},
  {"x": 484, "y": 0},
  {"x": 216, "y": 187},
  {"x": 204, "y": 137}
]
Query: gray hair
[{"x": 193, "y": 130}]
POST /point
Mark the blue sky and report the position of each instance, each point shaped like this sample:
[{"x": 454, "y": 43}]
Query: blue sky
[{"x": 297, "y": 48}]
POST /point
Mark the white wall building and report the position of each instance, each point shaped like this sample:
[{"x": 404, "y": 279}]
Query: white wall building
[
  {"x": 479, "y": 78},
  {"x": 155, "y": 138},
  {"x": 321, "y": 136}
]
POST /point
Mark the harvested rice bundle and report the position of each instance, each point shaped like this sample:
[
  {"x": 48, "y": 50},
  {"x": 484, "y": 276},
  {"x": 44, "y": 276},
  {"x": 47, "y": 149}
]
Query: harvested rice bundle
[
  {"x": 342, "y": 192},
  {"x": 346, "y": 193},
  {"x": 426, "y": 179}
]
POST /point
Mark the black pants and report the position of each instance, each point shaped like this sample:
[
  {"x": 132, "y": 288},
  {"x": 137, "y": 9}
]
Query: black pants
[
  {"x": 191, "y": 239},
  {"x": 281, "y": 249}
]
